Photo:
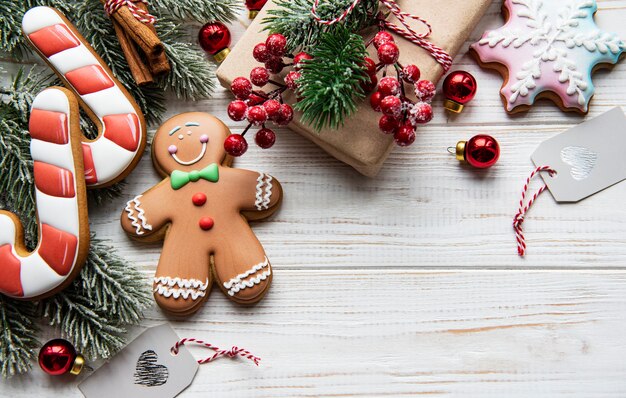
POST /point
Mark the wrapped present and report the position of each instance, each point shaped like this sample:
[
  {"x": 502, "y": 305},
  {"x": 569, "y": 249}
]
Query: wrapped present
[{"x": 359, "y": 142}]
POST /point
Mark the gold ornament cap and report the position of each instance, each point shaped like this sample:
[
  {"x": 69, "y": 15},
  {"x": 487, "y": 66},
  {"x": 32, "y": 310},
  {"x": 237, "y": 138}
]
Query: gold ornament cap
[
  {"x": 78, "y": 365},
  {"x": 253, "y": 13},
  {"x": 221, "y": 56},
  {"x": 453, "y": 106},
  {"x": 460, "y": 150}
]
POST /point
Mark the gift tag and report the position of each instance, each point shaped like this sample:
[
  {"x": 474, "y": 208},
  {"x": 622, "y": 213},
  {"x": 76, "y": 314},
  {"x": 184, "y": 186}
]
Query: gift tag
[
  {"x": 145, "y": 368},
  {"x": 587, "y": 158}
]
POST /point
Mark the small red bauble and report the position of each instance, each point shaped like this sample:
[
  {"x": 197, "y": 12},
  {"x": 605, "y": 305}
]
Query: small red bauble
[
  {"x": 370, "y": 67},
  {"x": 198, "y": 199},
  {"x": 422, "y": 113},
  {"x": 481, "y": 151},
  {"x": 411, "y": 73},
  {"x": 214, "y": 38},
  {"x": 285, "y": 115},
  {"x": 241, "y": 88},
  {"x": 375, "y": 101},
  {"x": 387, "y": 124},
  {"x": 259, "y": 76},
  {"x": 291, "y": 79},
  {"x": 299, "y": 57},
  {"x": 59, "y": 357},
  {"x": 206, "y": 223},
  {"x": 257, "y": 115},
  {"x": 254, "y": 6},
  {"x": 276, "y": 44},
  {"x": 425, "y": 90},
  {"x": 235, "y": 145},
  {"x": 388, "y": 53},
  {"x": 272, "y": 107},
  {"x": 405, "y": 135},
  {"x": 265, "y": 138},
  {"x": 260, "y": 53},
  {"x": 459, "y": 87},
  {"x": 391, "y": 106},
  {"x": 237, "y": 110},
  {"x": 389, "y": 86},
  {"x": 275, "y": 65},
  {"x": 381, "y": 38}
]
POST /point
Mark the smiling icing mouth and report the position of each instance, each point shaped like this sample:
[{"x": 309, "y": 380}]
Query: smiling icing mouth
[{"x": 190, "y": 162}]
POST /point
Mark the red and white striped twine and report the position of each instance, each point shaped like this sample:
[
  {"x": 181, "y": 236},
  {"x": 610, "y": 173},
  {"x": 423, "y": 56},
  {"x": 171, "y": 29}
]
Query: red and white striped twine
[
  {"x": 523, "y": 209},
  {"x": 111, "y": 7},
  {"x": 233, "y": 352},
  {"x": 444, "y": 59}
]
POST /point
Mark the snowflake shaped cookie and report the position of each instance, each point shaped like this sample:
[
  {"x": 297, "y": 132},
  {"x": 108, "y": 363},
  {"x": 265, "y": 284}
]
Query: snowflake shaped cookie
[{"x": 548, "y": 49}]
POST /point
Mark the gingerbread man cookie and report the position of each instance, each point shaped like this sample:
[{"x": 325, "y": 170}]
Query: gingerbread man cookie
[
  {"x": 548, "y": 49},
  {"x": 201, "y": 209}
]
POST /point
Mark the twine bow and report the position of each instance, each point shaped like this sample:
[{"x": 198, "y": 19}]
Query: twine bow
[
  {"x": 232, "y": 353},
  {"x": 111, "y": 7},
  {"x": 440, "y": 55}
]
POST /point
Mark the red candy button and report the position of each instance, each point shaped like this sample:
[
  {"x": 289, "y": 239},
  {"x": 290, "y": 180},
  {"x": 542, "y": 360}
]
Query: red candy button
[
  {"x": 206, "y": 223},
  {"x": 199, "y": 199}
]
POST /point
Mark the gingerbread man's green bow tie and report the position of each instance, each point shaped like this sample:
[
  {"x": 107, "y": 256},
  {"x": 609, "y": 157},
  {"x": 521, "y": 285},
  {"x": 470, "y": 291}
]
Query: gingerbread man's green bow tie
[{"x": 179, "y": 179}]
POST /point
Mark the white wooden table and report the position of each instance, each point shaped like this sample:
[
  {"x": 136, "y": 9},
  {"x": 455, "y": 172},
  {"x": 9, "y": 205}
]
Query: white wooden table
[{"x": 409, "y": 284}]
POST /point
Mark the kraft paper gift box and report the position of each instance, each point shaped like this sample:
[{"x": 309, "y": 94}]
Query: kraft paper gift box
[{"x": 359, "y": 142}]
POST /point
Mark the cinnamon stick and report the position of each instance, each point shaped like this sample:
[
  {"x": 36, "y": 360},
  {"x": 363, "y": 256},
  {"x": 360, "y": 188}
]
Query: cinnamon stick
[
  {"x": 138, "y": 68},
  {"x": 159, "y": 65}
]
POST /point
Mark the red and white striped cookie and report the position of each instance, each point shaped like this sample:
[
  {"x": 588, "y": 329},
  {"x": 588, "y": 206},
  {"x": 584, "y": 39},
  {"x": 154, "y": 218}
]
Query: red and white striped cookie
[
  {"x": 122, "y": 132},
  {"x": 60, "y": 192}
]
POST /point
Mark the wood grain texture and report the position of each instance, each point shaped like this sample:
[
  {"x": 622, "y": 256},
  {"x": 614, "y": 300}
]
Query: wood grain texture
[{"x": 409, "y": 284}]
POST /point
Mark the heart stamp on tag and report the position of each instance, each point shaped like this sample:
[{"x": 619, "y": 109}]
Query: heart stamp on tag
[
  {"x": 149, "y": 372},
  {"x": 582, "y": 161}
]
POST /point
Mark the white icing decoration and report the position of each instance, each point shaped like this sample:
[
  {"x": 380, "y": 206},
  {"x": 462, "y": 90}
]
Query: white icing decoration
[
  {"x": 72, "y": 58},
  {"x": 38, "y": 18},
  {"x": 190, "y": 162},
  {"x": 239, "y": 282},
  {"x": 107, "y": 157},
  {"x": 60, "y": 213},
  {"x": 37, "y": 277},
  {"x": 51, "y": 100},
  {"x": 110, "y": 101},
  {"x": 194, "y": 288},
  {"x": 263, "y": 191},
  {"x": 7, "y": 230},
  {"x": 59, "y": 155},
  {"x": 130, "y": 208}
]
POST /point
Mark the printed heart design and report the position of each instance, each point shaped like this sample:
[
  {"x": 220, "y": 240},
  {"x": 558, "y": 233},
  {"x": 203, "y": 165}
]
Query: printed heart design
[
  {"x": 581, "y": 160},
  {"x": 148, "y": 372}
]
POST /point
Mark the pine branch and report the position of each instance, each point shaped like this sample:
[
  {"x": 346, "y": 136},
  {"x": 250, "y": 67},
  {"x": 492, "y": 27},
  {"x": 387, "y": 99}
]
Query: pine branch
[
  {"x": 294, "y": 20},
  {"x": 18, "y": 338},
  {"x": 331, "y": 82},
  {"x": 199, "y": 10}
]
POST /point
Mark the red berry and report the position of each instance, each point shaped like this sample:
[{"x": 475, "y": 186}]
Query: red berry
[
  {"x": 405, "y": 135},
  {"x": 387, "y": 124},
  {"x": 255, "y": 99},
  {"x": 257, "y": 115},
  {"x": 375, "y": 101},
  {"x": 381, "y": 38},
  {"x": 299, "y": 57},
  {"x": 265, "y": 138},
  {"x": 275, "y": 65},
  {"x": 272, "y": 107},
  {"x": 411, "y": 73},
  {"x": 421, "y": 113},
  {"x": 260, "y": 53},
  {"x": 390, "y": 106},
  {"x": 370, "y": 66},
  {"x": 241, "y": 87},
  {"x": 370, "y": 84},
  {"x": 259, "y": 76},
  {"x": 276, "y": 44},
  {"x": 286, "y": 115},
  {"x": 235, "y": 145},
  {"x": 237, "y": 110},
  {"x": 291, "y": 80},
  {"x": 389, "y": 86},
  {"x": 388, "y": 53},
  {"x": 425, "y": 90}
]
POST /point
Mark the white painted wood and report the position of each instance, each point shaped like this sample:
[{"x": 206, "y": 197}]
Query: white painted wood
[{"x": 409, "y": 283}]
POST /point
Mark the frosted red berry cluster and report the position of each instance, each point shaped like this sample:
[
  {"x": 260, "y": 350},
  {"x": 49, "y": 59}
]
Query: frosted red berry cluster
[
  {"x": 259, "y": 107},
  {"x": 401, "y": 115}
]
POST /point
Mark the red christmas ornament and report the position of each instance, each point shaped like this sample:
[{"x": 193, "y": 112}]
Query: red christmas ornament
[
  {"x": 388, "y": 53},
  {"x": 481, "y": 151},
  {"x": 254, "y": 6},
  {"x": 459, "y": 87},
  {"x": 241, "y": 88},
  {"x": 237, "y": 110},
  {"x": 235, "y": 145},
  {"x": 214, "y": 38},
  {"x": 59, "y": 357},
  {"x": 265, "y": 138}
]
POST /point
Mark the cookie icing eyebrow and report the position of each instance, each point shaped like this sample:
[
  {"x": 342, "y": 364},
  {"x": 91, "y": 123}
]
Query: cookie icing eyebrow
[
  {"x": 175, "y": 129},
  {"x": 192, "y": 124}
]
